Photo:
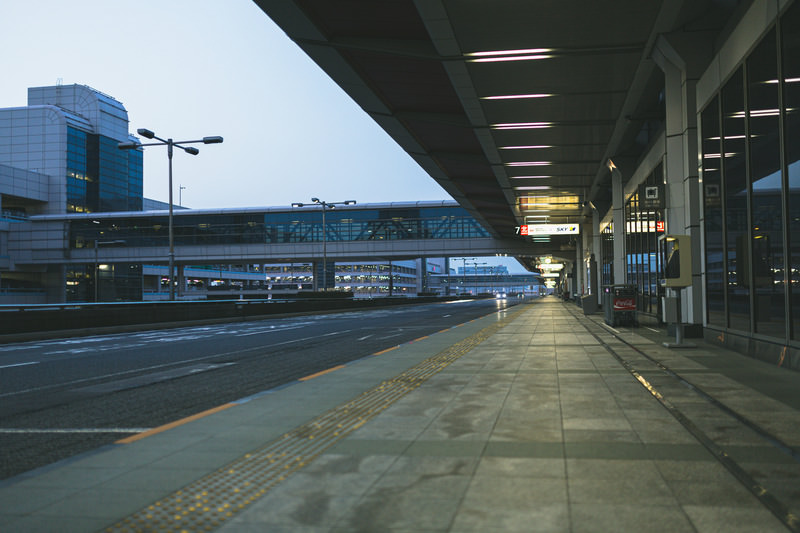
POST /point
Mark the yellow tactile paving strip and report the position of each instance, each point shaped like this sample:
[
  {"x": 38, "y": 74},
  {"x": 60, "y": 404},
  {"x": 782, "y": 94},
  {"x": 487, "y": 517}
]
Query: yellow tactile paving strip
[{"x": 209, "y": 502}]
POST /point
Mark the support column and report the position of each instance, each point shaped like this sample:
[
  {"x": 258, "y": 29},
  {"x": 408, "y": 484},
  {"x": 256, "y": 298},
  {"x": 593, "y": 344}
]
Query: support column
[
  {"x": 618, "y": 206},
  {"x": 181, "y": 280},
  {"x": 597, "y": 252},
  {"x": 580, "y": 270},
  {"x": 682, "y": 58}
]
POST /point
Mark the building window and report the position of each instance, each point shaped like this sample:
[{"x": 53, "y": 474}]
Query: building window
[
  {"x": 790, "y": 29},
  {"x": 712, "y": 185},
  {"x": 766, "y": 254},
  {"x": 734, "y": 175}
]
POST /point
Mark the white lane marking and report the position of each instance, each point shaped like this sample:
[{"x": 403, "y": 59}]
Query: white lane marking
[
  {"x": 20, "y": 364},
  {"x": 153, "y": 367},
  {"x": 653, "y": 330},
  {"x": 336, "y": 333},
  {"x": 18, "y": 348},
  {"x": 445, "y": 316},
  {"x": 270, "y": 330},
  {"x": 365, "y": 337},
  {"x": 23, "y": 431},
  {"x": 390, "y": 336}
]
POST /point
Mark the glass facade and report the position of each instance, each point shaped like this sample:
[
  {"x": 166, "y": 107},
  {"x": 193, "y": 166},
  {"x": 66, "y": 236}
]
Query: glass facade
[
  {"x": 101, "y": 177},
  {"x": 644, "y": 215},
  {"x": 751, "y": 177},
  {"x": 77, "y": 171},
  {"x": 644, "y": 222},
  {"x": 607, "y": 247},
  {"x": 282, "y": 227}
]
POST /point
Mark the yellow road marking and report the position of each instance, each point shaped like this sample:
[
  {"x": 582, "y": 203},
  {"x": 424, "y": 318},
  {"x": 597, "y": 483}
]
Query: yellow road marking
[
  {"x": 386, "y": 350},
  {"x": 322, "y": 373},
  {"x": 165, "y": 427}
]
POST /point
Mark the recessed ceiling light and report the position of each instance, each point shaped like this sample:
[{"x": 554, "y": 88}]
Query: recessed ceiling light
[
  {"x": 520, "y": 125},
  {"x": 526, "y": 147},
  {"x": 514, "y": 96},
  {"x": 525, "y": 54},
  {"x": 529, "y": 164}
]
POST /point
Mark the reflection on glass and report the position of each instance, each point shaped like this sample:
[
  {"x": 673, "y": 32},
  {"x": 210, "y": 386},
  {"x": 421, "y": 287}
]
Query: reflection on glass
[
  {"x": 767, "y": 257},
  {"x": 712, "y": 186},
  {"x": 734, "y": 172},
  {"x": 790, "y": 29}
]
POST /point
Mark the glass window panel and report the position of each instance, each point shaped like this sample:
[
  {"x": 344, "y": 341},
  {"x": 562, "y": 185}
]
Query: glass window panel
[
  {"x": 712, "y": 201},
  {"x": 790, "y": 35},
  {"x": 734, "y": 172},
  {"x": 766, "y": 199}
]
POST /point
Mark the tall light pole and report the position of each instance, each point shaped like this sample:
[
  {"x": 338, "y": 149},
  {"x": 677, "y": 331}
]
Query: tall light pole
[
  {"x": 476, "y": 275},
  {"x": 169, "y": 143},
  {"x": 465, "y": 259},
  {"x": 325, "y": 206}
]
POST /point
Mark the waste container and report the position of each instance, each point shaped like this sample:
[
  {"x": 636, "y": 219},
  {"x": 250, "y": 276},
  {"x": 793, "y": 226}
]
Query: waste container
[{"x": 619, "y": 305}]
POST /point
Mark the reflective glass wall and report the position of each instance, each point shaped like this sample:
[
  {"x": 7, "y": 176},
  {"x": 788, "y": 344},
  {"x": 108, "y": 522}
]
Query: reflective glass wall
[
  {"x": 751, "y": 180},
  {"x": 101, "y": 177},
  {"x": 644, "y": 216}
]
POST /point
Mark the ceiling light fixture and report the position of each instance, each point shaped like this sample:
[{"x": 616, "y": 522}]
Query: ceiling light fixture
[
  {"x": 515, "y": 96},
  {"x": 509, "y": 55},
  {"x": 526, "y": 147},
  {"x": 529, "y": 164},
  {"x": 521, "y": 125}
]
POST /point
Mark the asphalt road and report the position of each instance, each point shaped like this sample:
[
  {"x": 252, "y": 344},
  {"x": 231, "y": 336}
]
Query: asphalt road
[{"x": 63, "y": 397}]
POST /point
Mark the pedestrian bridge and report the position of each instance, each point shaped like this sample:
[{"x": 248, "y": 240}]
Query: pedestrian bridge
[{"x": 252, "y": 235}]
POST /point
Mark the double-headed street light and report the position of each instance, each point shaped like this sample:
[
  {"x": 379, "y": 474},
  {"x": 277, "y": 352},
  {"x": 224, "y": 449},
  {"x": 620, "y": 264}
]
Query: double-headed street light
[
  {"x": 325, "y": 206},
  {"x": 169, "y": 143}
]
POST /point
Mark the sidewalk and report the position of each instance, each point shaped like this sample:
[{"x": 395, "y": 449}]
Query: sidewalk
[{"x": 521, "y": 421}]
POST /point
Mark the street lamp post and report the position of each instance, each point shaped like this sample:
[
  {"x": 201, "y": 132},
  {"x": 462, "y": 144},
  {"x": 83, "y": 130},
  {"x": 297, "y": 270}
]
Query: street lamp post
[
  {"x": 169, "y": 143},
  {"x": 465, "y": 259},
  {"x": 476, "y": 275},
  {"x": 325, "y": 206}
]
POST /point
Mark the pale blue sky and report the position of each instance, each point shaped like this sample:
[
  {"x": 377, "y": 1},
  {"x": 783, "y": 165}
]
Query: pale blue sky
[{"x": 191, "y": 68}]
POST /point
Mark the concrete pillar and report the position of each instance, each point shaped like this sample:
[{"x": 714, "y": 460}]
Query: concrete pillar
[
  {"x": 597, "y": 251},
  {"x": 181, "y": 279},
  {"x": 618, "y": 207},
  {"x": 682, "y": 58}
]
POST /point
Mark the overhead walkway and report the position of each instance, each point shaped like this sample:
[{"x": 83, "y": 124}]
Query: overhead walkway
[
  {"x": 403, "y": 230},
  {"x": 534, "y": 419}
]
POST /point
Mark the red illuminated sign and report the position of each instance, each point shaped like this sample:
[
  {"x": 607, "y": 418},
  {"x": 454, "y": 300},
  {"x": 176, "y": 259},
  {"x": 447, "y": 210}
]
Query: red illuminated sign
[
  {"x": 660, "y": 226},
  {"x": 625, "y": 304}
]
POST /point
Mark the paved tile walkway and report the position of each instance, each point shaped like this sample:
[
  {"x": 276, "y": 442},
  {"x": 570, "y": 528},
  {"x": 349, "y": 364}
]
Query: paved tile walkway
[{"x": 539, "y": 427}]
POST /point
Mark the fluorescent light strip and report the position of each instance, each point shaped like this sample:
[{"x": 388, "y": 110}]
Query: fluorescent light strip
[
  {"x": 510, "y": 52},
  {"x": 521, "y": 125},
  {"x": 529, "y": 164},
  {"x": 787, "y": 80},
  {"x": 533, "y": 188},
  {"x": 515, "y": 96},
  {"x": 528, "y": 147},
  {"x": 528, "y": 177}
]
